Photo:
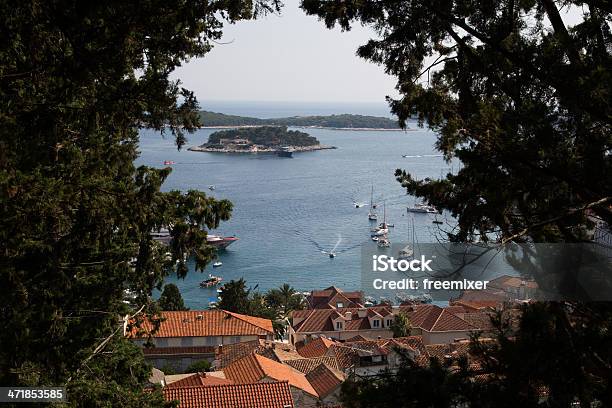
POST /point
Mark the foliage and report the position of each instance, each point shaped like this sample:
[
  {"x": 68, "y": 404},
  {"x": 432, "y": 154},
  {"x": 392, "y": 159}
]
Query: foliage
[
  {"x": 401, "y": 325},
  {"x": 285, "y": 299},
  {"x": 274, "y": 305},
  {"x": 77, "y": 81},
  {"x": 330, "y": 121},
  {"x": 523, "y": 104},
  {"x": 171, "y": 298},
  {"x": 198, "y": 367},
  {"x": 266, "y": 136},
  {"x": 547, "y": 358},
  {"x": 412, "y": 386}
]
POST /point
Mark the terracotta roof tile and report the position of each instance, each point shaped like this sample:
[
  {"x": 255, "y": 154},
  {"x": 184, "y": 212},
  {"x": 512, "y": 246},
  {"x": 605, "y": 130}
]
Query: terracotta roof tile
[
  {"x": 254, "y": 368},
  {"x": 159, "y": 351},
  {"x": 199, "y": 379},
  {"x": 316, "y": 348},
  {"x": 232, "y": 352},
  {"x": 325, "y": 379},
  {"x": 204, "y": 323},
  {"x": 260, "y": 395},
  {"x": 306, "y": 365}
]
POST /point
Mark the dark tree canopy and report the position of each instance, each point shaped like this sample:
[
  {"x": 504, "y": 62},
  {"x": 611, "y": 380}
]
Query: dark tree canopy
[
  {"x": 266, "y": 136},
  {"x": 77, "y": 81},
  {"x": 520, "y": 97},
  {"x": 171, "y": 299}
]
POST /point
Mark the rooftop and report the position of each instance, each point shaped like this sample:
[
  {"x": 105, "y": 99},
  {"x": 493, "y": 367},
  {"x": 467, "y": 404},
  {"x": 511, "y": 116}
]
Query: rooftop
[
  {"x": 205, "y": 323},
  {"x": 260, "y": 395},
  {"x": 254, "y": 368}
]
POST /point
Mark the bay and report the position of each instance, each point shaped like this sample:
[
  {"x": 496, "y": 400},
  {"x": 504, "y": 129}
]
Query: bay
[{"x": 288, "y": 211}]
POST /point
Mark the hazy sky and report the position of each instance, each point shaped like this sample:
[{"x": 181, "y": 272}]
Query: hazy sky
[{"x": 291, "y": 57}]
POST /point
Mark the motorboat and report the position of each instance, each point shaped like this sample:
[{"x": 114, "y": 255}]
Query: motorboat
[
  {"x": 332, "y": 254},
  {"x": 406, "y": 252},
  {"x": 211, "y": 281},
  {"x": 422, "y": 208},
  {"x": 211, "y": 187},
  {"x": 168, "y": 162},
  {"x": 217, "y": 264},
  {"x": 384, "y": 242},
  {"x": 220, "y": 242},
  {"x": 375, "y": 239}
]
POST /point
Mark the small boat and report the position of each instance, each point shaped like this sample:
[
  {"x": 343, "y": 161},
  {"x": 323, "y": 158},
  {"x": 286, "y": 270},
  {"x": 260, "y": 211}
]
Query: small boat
[
  {"x": 332, "y": 254},
  {"x": 211, "y": 281},
  {"x": 371, "y": 214},
  {"x": 211, "y": 187},
  {"x": 217, "y": 264},
  {"x": 285, "y": 151},
  {"x": 375, "y": 239},
  {"x": 168, "y": 162},
  {"x": 384, "y": 243},
  {"x": 383, "y": 228},
  {"x": 423, "y": 209},
  {"x": 359, "y": 205},
  {"x": 406, "y": 252}
]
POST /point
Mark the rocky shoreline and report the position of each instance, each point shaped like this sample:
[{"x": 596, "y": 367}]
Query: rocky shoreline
[{"x": 260, "y": 149}]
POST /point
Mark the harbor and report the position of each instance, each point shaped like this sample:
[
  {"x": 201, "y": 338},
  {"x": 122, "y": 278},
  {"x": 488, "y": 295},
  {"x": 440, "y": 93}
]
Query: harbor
[{"x": 303, "y": 220}]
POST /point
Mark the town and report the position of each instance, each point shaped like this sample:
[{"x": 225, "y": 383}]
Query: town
[{"x": 217, "y": 358}]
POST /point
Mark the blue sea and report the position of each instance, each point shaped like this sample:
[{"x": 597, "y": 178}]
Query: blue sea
[{"x": 289, "y": 211}]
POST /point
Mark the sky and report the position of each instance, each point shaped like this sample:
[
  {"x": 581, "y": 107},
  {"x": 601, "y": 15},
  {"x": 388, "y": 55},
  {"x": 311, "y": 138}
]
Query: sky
[{"x": 291, "y": 57}]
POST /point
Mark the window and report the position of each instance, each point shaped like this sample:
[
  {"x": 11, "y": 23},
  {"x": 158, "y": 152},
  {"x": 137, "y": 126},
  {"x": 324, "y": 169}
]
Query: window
[
  {"x": 339, "y": 304},
  {"x": 234, "y": 339},
  {"x": 161, "y": 343},
  {"x": 375, "y": 323},
  {"x": 376, "y": 359},
  {"x": 338, "y": 325},
  {"x": 187, "y": 341},
  {"x": 389, "y": 322}
]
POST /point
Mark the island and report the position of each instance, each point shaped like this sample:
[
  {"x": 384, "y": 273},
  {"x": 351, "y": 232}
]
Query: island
[
  {"x": 261, "y": 139},
  {"x": 339, "y": 122}
]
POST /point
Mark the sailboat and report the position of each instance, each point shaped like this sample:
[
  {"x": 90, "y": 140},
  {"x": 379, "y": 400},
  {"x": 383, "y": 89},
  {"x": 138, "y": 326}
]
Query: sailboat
[
  {"x": 383, "y": 228},
  {"x": 407, "y": 252},
  {"x": 371, "y": 214}
]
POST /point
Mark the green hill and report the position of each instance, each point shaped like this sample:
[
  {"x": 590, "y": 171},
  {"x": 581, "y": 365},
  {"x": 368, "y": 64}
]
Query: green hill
[
  {"x": 332, "y": 121},
  {"x": 269, "y": 136}
]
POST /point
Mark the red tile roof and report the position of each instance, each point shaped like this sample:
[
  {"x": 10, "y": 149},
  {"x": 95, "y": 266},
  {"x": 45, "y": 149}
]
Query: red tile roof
[
  {"x": 325, "y": 379},
  {"x": 199, "y": 379},
  {"x": 330, "y": 297},
  {"x": 229, "y": 353},
  {"x": 316, "y": 348},
  {"x": 433, "y": 318},
  {"x": 254, "y": 368},
  {"x": 306, "y": 365},
  {"x": 428, "y": 317},
  {"x": 204, "y": 323},
  {"x": 259, "y": 395},
  {"x": 159, "y": 351}
]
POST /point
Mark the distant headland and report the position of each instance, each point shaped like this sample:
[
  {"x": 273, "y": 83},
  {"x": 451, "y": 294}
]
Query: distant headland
[
  {"x": 260, "y": 139},
  {"x": 339, "y": 122}
]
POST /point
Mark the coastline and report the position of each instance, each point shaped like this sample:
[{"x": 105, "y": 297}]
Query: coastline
[
  {"x": 309, "y": 127},
  {"x": 261, "y": 149}
]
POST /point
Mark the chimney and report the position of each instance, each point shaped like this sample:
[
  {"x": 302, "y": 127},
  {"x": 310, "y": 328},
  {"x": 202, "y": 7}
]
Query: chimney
[
  {"x": 200, "y": 317},
  {"x": 348, "y": 316}
]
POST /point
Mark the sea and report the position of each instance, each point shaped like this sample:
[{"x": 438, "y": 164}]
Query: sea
[{"x": 290, "y": 212}]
